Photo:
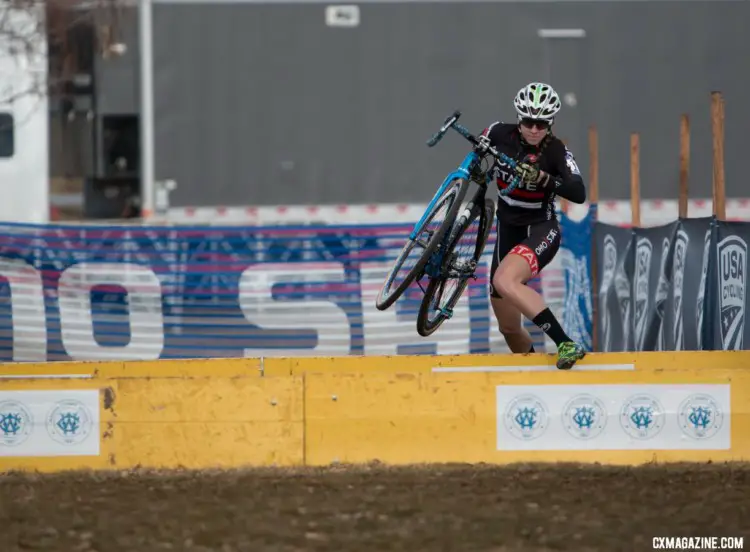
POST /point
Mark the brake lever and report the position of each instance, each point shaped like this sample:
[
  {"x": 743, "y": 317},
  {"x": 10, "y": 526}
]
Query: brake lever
[{"x": 483, "y": 144}]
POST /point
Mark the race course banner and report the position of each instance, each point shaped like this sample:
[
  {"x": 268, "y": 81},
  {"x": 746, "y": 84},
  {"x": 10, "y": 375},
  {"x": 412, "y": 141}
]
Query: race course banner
[
  {"x": 679, "y": 286},
  {"x": 91, "y": 292}
]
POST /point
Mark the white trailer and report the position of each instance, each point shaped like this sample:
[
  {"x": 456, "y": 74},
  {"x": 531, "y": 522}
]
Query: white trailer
[{"x": 24, "y": 115}]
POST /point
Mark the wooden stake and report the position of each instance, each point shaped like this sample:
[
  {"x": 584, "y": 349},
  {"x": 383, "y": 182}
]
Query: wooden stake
[
  {"x": 684, "y": 165},
  {"x": 593, "y": 165},
  {"x": 717, "y": 130},
  {"x": 635, "y": 179}
]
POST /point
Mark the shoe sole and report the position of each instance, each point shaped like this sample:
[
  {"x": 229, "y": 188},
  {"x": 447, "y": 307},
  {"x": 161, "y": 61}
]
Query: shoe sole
[{"x": 570, "y": 363}]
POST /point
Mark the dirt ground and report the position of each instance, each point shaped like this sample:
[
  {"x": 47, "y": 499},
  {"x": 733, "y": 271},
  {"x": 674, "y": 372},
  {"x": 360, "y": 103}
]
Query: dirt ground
[{"x": 374, "y": 508}]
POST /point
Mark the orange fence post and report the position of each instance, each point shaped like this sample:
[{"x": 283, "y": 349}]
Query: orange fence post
[
  {"x": 635, "y": 179},
  {"x": 684, "y": 166},
  {"x": 717, "y": 130}
]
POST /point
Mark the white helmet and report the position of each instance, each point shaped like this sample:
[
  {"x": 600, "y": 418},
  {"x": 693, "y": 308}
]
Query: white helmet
[{"x": 537, "y": 101}]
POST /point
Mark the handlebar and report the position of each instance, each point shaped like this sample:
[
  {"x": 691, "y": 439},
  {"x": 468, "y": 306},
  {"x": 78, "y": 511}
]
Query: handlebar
[
  {"x": 451, "y": 122},
  {"x": 448, "y": 123}
]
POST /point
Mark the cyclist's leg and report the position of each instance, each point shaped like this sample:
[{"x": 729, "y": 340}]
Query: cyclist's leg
[
  {"x": 510, "y": 324},
  {"x": 508, "y": 316},
  {"x": 525, "y": 261}
]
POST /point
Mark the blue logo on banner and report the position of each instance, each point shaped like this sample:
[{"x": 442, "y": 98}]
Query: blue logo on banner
[
  {"x": 700, "y": 416},
  {"x": 584, "y": 416},
  {"x": 16, "y": 423},
  {"x": 642, "y": 416},
  {"x": 526, "y": 417}
]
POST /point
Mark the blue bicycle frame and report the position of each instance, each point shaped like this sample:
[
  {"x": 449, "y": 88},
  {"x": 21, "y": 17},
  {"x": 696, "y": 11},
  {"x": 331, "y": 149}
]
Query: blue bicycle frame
[
  {"x": 467, "y": 166},
  {"x": 463, "y": 171}
]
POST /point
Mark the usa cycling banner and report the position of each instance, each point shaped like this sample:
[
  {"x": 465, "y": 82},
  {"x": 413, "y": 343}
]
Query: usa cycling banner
[
  {"x": 727, "y": 286},
  {"x": 651, "y": 284},
  {"x": 689, "y": 275},
  {"x": 89, "y": 292},
  {"x": 575, "y": 258},
  {"x": 615, "y": 270},
  {"x": 679, "y": 286}
]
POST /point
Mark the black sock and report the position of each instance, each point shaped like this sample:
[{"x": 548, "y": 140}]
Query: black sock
[
  {"x": 532, "y": 349},
  {"x": 549, "y": 325}
]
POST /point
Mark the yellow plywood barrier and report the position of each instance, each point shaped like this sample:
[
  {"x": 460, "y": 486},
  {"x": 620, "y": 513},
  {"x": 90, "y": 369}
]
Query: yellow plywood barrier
[
  {"x": 229, "y": 367},
  {"x": 282, "y": 366},
  {"x": 408, "y": 418},
  {"x": 191, "y": 422},
  {"x": 208, "y": 422},
  {"x": 623, "y": 408}
]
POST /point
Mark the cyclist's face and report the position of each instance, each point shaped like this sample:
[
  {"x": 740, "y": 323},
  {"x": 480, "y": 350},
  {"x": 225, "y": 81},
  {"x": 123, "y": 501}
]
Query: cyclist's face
[{"x": 533, "y": 131}]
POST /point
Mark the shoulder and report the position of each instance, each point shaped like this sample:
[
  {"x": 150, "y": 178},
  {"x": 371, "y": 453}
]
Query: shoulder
[
  {"x": 556, "y": 147},
  {"x": 499, "y": 130},
  {"x": 560, "y": 152}
]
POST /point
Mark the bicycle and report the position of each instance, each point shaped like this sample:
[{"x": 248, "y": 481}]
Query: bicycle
[{"x": 438, "y": 259}]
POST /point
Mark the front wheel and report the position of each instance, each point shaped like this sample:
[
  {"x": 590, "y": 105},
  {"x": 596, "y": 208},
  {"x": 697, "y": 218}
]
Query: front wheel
[
  {"x": 460, "y": 264},
  {"x": 414, "y": 256}
]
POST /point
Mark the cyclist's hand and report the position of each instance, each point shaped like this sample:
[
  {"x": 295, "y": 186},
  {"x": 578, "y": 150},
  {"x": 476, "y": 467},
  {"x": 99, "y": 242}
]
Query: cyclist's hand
[{"x": 529, "y": 173}]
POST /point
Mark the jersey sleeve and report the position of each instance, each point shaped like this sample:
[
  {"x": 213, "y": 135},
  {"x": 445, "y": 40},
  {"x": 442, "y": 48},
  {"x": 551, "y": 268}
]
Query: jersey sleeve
[{"x": 568, "y": 180}]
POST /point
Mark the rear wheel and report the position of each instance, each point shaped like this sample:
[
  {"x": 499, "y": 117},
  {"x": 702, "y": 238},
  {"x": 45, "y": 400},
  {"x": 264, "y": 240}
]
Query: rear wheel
[
  {"x": 410, "y": 263},
  {"x": 464, "y": 251}
]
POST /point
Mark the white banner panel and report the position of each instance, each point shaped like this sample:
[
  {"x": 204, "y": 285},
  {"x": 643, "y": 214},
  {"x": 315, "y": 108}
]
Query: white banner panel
[
  {"x": 613, "y": 417},
  {"x": 49, "y": 423}
]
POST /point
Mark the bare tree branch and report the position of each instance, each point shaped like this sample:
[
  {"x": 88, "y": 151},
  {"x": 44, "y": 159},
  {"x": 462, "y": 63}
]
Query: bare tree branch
[{"x": 42, "y": 40}]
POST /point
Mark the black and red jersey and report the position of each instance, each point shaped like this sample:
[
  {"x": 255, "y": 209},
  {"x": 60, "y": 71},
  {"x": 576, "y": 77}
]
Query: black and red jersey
[{"x": 530, "y": 203}]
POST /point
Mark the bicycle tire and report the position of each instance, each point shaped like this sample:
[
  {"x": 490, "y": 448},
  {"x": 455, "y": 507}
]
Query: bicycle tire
[
  {"x": 427, "y": 326},
  {"x": 454, "y": 193}
]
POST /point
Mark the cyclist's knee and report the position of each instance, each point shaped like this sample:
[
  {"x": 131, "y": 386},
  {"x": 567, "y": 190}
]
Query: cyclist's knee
[{"x": 506, "y": 282}]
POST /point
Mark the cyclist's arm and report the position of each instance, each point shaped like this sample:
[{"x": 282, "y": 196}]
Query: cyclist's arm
[{"x": 568, "y": 182}]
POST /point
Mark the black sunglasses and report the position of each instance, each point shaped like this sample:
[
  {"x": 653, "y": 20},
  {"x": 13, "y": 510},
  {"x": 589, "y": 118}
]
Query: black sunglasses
[{"x": 530, "y": 123}]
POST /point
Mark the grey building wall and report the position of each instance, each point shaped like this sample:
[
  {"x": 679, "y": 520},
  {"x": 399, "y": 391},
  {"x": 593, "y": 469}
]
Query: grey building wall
[{"x": 265, "y": 104}]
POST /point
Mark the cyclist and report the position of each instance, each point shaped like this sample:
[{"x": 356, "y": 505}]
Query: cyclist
[{"x": 528, "y": 233}]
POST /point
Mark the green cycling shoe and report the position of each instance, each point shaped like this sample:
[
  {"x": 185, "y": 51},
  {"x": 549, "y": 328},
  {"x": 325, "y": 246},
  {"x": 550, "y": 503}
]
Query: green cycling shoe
[{"x": 568, "y": 353}]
